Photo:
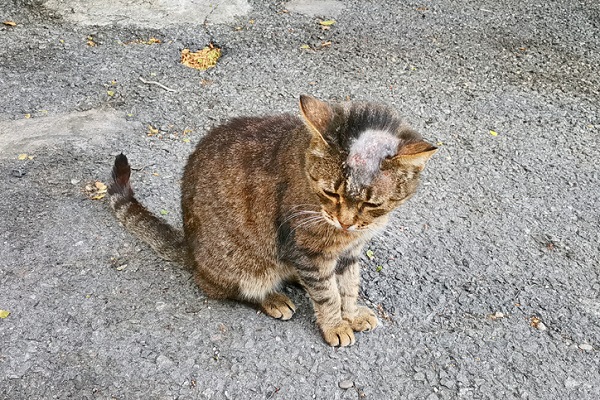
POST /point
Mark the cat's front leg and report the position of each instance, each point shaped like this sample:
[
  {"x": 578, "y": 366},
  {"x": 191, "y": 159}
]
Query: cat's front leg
[
  {"x": 347, "y": 271},
  {"x": 319, "y": 279}
]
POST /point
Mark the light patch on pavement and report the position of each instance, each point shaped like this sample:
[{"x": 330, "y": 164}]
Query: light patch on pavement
[
  {"x": 148, "y": 13},
  {"x": 87, "y": 130},
  {"x": 316, "y": 8}
]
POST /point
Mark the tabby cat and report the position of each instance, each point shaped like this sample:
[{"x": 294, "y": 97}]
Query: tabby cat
[{"x": 269, "y": 200}]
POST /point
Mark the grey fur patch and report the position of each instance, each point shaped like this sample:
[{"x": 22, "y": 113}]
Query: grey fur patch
[{"x": 365, "y": 157}]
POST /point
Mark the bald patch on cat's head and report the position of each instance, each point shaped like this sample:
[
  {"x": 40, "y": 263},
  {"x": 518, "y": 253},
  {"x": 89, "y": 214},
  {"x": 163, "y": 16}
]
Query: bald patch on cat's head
[{"x": 366, "y": 153}]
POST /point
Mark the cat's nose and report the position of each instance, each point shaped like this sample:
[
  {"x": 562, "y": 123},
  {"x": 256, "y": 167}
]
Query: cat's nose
[{"x": 345, "y": 226}]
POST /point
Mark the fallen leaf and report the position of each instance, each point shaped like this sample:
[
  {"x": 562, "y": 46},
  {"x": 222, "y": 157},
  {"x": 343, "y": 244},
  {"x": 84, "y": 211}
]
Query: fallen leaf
[
  {"x": 110, "y": 93},
  {"x": 379, "y": 268},
  {"x": 327, "y": 22},
  {"x": 22, "y": 157},
  {"x": 163, "y": 212},
  {"x": 96, "y": 190},
  {"x": 186, "y": 140},
  {"x": 493, "y": 133},
  {"x": 202, "y": 59},
  {"x": 10, "y": 23},
  {"x": 305, "y": 47},
  {"x": 152, "y": 130},
  {"x": 27, "y": 116},
  {"x": 4, "y": 313},
  {"x": 370, "y": 254}
]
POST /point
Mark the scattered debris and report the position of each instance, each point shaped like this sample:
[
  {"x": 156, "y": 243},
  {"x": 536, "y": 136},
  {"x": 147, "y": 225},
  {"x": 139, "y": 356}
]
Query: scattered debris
[
  {"x": 202, "y": 59},
  {"x": 23, "y": 157},
  {"x": 152, "y": 131},
  {"x": 327, "y": 22},
  {"x": 150, "y": 41},
  {"x": 497, "y": 315},
  {"x": 537, "y": 323},
  {"x": 91, "y": 42},
  {"x": 96, "y": 190},
  {"x": 168, "y": 89},
  {"x": 370, "y": 254},
  {"x": 10, "y": 23},
  {"x": 345, "y": 384},
  {"x": 586, "y": 347}
]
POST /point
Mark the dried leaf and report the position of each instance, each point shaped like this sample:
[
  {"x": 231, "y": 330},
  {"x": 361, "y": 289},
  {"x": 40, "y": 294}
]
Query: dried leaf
[
  {"x": 22, "y": 157},
  {"x": 10, "y": 23},
  {"x": 4, "y": 313},
  {"x": 100, "y": 186},
  {"x": 152, "y": 130},
  {"x": 493, "y": 133},
  {"x": 305, "y": 47},
  {"x": 327, "y": 22},
  {"x": 110, "y": 93},
  {"x": 202, "y": 59},
  {"x": 370, "y": 254}
]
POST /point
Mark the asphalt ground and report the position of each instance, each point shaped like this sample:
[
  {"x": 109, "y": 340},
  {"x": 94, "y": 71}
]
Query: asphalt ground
[{"x": 486, "y": 282}]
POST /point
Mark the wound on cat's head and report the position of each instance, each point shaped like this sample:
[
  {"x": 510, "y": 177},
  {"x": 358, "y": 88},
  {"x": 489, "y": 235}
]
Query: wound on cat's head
[{"x": 362, "y": 161}]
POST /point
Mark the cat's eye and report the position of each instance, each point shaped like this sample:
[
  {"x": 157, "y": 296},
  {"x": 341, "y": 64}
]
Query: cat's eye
[
  {"x": 367, "y": 204},
  {"x": 331, "y": 194}
]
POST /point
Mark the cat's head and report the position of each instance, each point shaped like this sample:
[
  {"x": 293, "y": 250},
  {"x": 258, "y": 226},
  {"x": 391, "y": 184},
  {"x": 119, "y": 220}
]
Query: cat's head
[{"x": 362, "y": 161}]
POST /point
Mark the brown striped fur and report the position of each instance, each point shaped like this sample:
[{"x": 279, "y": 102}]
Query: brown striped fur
[{"x": 276, "y": 199}]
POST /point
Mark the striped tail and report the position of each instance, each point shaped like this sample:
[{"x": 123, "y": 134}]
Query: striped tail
[{"x": 165, "y": 239}]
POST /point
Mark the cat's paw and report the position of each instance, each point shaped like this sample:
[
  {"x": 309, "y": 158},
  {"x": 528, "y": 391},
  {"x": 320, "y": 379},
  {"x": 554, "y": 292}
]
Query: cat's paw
[
  {"x": 364, "y": 320},
  {"x": 278, "y": 306},
  {"x": 340, "y": 334}
]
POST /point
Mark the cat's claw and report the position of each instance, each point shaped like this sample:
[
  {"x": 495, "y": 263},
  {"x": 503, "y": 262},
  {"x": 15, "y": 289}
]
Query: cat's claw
[
  {"x": 278, "y": 306},
  {"x": 364, "y": 320},
  {"x": 340, "y": 335}
]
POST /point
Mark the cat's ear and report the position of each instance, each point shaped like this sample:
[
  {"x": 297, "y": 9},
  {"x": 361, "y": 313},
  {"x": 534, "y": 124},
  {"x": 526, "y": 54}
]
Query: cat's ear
[
  {"x": 317, "y": 114},
  {"x": 413, "y": 155}
]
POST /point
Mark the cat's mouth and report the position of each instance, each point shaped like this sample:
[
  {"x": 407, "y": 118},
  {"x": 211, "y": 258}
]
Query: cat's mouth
[{"x": 342, "y": 227}]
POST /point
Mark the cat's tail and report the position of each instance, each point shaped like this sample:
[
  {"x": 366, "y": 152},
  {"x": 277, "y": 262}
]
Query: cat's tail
[{"x": 165, "y": 239}]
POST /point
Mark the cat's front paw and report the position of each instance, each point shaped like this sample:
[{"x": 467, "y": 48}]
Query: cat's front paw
[
  {"x": 363, "y": 320},
  {"x": 340, "y": 334},
  {"x": 278, "y": 306}
]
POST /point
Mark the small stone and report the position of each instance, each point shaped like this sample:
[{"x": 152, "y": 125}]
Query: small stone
[
  {"x": 346, "y": 384},
  {"x": 419, "y": 376},
  {"x": 75, "y": 181},
  {"x": 586, "y": 347},
  {"x": 541, "y": 327}
]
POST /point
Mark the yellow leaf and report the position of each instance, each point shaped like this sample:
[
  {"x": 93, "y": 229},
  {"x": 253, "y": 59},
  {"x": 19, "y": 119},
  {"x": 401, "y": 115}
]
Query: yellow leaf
[
  {"x": 22, "y": 157},
  {"x": 493, "y": 133},
  {"x": 27, "y": 116},
  {"x": 110, "y": 93},
  {"x": 202, "y": 59},
  {"x": 327, "y": 22},
  {"x": 99, "y": 196},
  {"x": 99, "y": 185},
  {"x": 10, "y": 23},
  {"x": 152, "y": 130},
  {"x": 186, "y": 140},
  {"x": 4, "y": 313},
  {"x": 305, "y": 47}
]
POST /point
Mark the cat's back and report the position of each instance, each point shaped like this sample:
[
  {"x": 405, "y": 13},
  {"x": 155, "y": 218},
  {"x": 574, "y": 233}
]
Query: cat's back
[{"x": 246, "y": 152}]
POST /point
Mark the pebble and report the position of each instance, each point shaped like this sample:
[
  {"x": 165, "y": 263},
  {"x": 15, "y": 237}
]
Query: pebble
[
  {"x": 419, "y": 376},
  {"x": 586, "y": 347},
  {"x": 541, "y": 327},
  {"x": 346, "y": 384}
]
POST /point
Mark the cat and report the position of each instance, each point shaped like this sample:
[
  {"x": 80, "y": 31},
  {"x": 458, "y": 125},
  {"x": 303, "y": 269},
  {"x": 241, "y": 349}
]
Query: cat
[{"x": 278, "y": 199}]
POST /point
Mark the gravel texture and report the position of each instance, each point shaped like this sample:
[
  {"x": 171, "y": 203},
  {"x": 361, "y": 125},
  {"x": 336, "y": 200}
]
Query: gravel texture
[{"x": 502, "y": 238}]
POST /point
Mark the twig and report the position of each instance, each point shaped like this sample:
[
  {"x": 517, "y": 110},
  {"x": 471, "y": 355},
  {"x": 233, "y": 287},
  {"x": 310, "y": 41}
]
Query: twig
[{"x": 157, "y": 84}]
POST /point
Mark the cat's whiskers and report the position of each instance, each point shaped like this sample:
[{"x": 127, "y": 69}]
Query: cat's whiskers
[{"x": 309, "y": 222}]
